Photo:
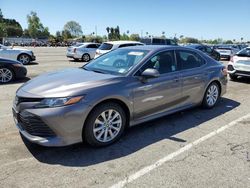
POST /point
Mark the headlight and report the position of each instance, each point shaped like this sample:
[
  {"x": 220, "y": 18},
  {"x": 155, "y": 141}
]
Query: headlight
[{"x": 56, "y": 102}]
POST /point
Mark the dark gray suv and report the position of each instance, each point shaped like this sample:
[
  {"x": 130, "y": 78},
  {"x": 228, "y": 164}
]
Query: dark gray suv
[{"x": 122, "y": 88}]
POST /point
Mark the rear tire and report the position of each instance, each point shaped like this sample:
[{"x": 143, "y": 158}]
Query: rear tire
[
  {"x": 211, "y": 96},
  {"x": 85, "y": 58},
  {"x": 104, "y": 125}
]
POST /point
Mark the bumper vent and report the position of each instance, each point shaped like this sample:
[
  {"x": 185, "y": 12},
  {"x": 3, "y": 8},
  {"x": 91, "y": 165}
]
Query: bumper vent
[{"x": 34, "y": 125}]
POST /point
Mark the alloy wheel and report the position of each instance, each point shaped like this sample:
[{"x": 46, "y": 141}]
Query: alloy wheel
[
  {"x": 5, "y": 75},
  {"x": 107, "y": 125},
  {"x": 24, "y": 59},
  {"x": 212, "y": 95}
]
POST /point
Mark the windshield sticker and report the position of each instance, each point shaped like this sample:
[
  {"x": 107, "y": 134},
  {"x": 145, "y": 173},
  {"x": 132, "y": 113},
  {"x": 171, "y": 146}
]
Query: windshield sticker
[
  {"x": 136, "y": 53},
  {"x": 122, "y": 70}
]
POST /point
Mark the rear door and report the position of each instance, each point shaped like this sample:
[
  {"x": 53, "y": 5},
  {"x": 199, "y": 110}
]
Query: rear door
[{"x": 193, "y": 76}]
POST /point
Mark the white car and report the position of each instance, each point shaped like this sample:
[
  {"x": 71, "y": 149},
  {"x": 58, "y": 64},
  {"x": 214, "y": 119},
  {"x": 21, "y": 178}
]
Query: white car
[
  {"x": 22, "y": 55},
  {"x": 82, "y": 51},
  {"x": 239, "y": 64},
  {"x": 112, "y": 45}
]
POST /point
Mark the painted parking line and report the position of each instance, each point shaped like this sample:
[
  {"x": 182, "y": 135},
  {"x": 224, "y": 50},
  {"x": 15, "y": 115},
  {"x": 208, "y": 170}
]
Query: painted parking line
[{"x": 169, "y": 157}]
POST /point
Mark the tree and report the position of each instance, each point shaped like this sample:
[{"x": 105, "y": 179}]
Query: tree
[
  {"x": 73, "y": 28},
  {"x": 35, "y": 27},
  {"x": 66, "y": 35},
  {"x": 1, "y": 15},
  {"x": 135, "y": 37},
  {"x": 189, "y": 40}
]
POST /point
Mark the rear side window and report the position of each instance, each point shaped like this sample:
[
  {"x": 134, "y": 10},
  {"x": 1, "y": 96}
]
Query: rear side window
[
  {"x": 189, "y": 60},
  {"x": 106, "y": 46},
  {"x": 131, "y": 44},
  {"x": 92, "y": 46}
]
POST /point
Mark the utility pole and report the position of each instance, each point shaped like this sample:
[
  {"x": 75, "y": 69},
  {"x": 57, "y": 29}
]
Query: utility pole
[{"x": 95, "y": 31}]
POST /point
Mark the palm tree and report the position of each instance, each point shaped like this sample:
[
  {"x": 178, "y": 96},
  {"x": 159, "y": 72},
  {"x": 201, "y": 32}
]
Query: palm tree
[{"x": 108, "y": 30}]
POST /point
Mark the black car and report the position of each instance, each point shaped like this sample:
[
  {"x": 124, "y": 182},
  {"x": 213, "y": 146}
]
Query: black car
[
  {"x": 11, "y": 70},
  {"x": 206, "y": 49}
]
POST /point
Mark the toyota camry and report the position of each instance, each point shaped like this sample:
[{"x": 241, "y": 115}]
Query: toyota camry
[{"x": 128, "y": 86}]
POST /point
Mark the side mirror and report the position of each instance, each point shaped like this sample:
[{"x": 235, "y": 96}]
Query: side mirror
[{"x": 150, "y": 73}]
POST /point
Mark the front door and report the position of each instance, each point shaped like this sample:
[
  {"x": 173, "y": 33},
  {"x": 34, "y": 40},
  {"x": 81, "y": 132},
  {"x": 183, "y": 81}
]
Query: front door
[{"x": 157, "y": 94}]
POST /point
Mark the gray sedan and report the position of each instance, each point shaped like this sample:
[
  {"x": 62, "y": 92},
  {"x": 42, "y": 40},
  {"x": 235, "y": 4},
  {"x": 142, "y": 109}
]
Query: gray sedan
[{"x": 119, "y": 89}]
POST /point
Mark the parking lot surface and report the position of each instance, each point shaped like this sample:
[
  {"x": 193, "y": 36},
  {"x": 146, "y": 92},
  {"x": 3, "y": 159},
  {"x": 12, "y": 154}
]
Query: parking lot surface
[{"x": 192, "y": 148}]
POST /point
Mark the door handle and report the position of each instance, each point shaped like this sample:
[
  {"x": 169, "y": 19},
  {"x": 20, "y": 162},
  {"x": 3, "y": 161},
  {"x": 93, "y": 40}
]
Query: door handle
[{"x": 176, "y": 79}]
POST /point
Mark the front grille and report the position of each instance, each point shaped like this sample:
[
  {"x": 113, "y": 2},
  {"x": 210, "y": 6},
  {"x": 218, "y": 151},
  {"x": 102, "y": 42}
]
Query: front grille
[
  {"x": 230, "y": 68},
  {"x": 23, "y": 99},
  {"x": 34, "y": 125}
]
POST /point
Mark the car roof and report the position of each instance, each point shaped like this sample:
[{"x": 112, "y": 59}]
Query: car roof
[{"x": 123, "y": 42}]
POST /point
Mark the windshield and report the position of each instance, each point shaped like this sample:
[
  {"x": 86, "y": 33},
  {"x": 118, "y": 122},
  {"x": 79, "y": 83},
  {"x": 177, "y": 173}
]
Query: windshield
[
  {"x": 116, "y": 62},
  {"x": 244, "y": 53},
  {"x": 105, "y": 46}
]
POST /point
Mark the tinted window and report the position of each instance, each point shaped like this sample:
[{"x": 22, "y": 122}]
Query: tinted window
[
  {"x": 244, "y": 53},
  {"x": 92, "y": 46},
  {"x": 188, "y": 59},
  {"x": 106, "y": 46},
  {"x": 208, "y": 50},
  {"x": 131, "y": 44},
  {"x": 164, "y": 62}
]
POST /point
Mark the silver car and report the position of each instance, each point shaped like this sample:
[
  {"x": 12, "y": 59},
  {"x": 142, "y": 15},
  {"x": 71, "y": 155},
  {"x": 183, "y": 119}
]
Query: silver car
[
  {"x": 82, "y": 51},
  {"x": 22, "y": 55},
  {"x": 122, "y": 88}
]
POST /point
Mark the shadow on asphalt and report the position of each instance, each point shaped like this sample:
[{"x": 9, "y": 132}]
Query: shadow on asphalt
[
  {"x": 245, "y": 80},
  {"x": 32, "y": 63},
  {"x": 134, "y": 139}
]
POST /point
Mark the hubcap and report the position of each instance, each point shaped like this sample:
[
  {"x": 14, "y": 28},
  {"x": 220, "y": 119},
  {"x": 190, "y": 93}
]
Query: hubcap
[
  {"x": 212, "y": 95},
  {"x": 24, "y": 59},
  {"x": 107, "y": 125},
  {"x": 5, "y": 75}
]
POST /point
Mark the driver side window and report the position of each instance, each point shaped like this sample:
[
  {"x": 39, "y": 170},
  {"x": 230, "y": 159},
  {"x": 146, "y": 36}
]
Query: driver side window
[{"x": 164, "y": 62}]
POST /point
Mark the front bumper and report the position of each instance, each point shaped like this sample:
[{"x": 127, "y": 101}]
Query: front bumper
[
  {"x": 33, "y": 58},
  {"x": 231, "y": 70},
  {"x": 20, "y": 72},
  {"x": 58, "y": 126}
]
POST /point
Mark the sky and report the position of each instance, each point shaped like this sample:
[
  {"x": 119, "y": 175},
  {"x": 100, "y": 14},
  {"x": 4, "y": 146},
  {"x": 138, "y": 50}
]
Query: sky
[{"x": 202, "y": 19}]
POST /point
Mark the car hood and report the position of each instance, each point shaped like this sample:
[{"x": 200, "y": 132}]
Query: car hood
[{"x": 63, "y": 83}]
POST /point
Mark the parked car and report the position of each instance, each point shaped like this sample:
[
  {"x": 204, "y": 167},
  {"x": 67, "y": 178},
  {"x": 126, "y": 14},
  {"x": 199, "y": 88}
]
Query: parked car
[
  {"x": 109, "y": 46},
  {"x": 207, "y": 50},
  {"x": 82, "y": 51},
  {"x": 11, "y": 70},
  {"x": 239, "y": 65},
  {"x": 122, "y": 88},
  {"x": 226, "y": 51},
  {"x": 23, "y": 55}
]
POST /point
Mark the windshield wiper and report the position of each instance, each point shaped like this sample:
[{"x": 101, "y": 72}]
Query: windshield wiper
[{"x": 99, "y": 71}]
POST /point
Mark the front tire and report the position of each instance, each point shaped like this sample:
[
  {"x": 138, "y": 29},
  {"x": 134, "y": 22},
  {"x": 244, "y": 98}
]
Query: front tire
[
  {"x": 6, "y": 75},
  {"x": 104, "y": 125},
  {"x": 24, "y": 59},
  {"x": 233, "y": 77},
  {"x": 211, "y": 96}
]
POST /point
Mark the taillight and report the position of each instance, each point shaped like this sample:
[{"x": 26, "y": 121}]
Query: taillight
[
  {"x": 74, "y": 50},
  {"x": 224, "y": 71}
]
